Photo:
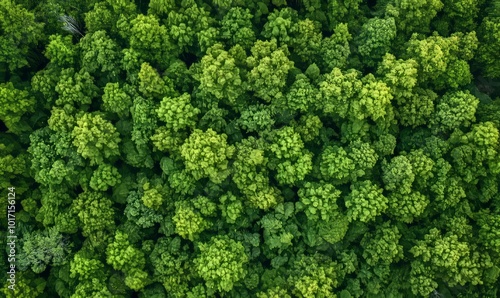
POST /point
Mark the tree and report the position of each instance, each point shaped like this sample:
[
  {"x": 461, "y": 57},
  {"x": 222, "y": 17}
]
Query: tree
[
  {"x": 407, "y": 207},
  {"x": 101, "y": 54},
  {"x": 445, "y": 257},
  {"x": 237, "y": 27},
  {"x": 373, "y": 100},
  {"x": 336, "y": 165},
  {"x": 220, "y": 75},
  {"x": 96, "y": 214},
  {"x": 107, "y": 15},
  {"x": 269, "y": 68},
  {"x": 398, "y": 175},
  {"x": 177, "y": 112},
  {"x": 337, "y": 91},
  {"x": 230, "y": 148},
  {"x": 95, "y": 138},
  {"x": 280, "y": 25},
  {"x": 104, "y": 176},
  {"x": 191, "y": 28},
  {"x": 382, "y": 247},
  {"x": 488, "y": 41},
  {"x": 116, "y": 100},
  {"x": 365, "y": 201},
  {"x": 443, "y": 60},
  {"x": 334, "y": 50},
  {"x": 190, "y": 218},
  {"x": 302, "y": 95},
  {"x": 44, "y": 248},
  {"x": 75, "y": 88},
  {"x": 144, "y": 122},
  {"x": 20, "y": 33},
  {"x": 461, "y": 14},
  {"x": 343, "y": 11},
  {"x": 124, "y": 257},
  {"x": 375, "y": 39},
  {"x": 137, "y": 211},
  {"x": 14, "y": 104},
  {"x": 414, "y": 16},
  {"x": 150, "y": 39},
  {"x": 289, "y": 158},
  {"x": 151, "y": 85},
  {"x": 306, "y": 40},
  {"x": 221, "y": 263},
  {"x": 210, "y": 150},
  {"x": 454, "y": 109},
  {"x": 61, "y": 50},
  {"x": 313, "y": 276},
  {"x": 319, "y": 201}
]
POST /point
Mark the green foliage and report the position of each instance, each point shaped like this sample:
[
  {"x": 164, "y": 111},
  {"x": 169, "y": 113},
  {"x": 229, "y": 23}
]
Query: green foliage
[
  {"x": 27, "y": 285},
  {"x": 313, "y": 276},
  {"x": 489, "y": 41},
  {"x": 220, "y": 74},
  {"x": 337, "y": 90},
  {"x": 319, "y": 201},
  {"x": 124, "y": 257},
  {"x": 151, "y": 85},
  {"x": 279, "y": 228},
  {"x": 20, "y": 33},
  {"x": 454, "y": 109},
  {"x": 106, "y": 14},
  {"x": 289, "y": 158},
  {"x": 189, "y": 217},
  {"x": 256, "y": 118},
  {"x": 365, "y": 201},
  {"x": 14, "y": 104},
  {"x": 100, "y": 54},
  {"x": 166, "y": 140},
  {"x": 191, "y": 27},
  {"x": 75, "y": 87},
  {"x": 41, "y": 249},
  {"x": 269, "y": 68},
  {"x": 116, "y": 100},
  {"x": 280, "y": 25},
  {"x": 446, "y": 258},
  {"x": 95, "y": 213},
  {"x": 95, "y": 138},
  {"x": 336, "y": 164},
  {"x": 84, "y": 268},
  {"x": 177, "y": 112},
  {"x": 302, "y": 95},
  {"x": 375, "y": 39},
  {"x": 307, "y": 40},
  {"x": 335, "y": 49},
  {"x": 373, "y": 100},
  {"x": 398, "y": 175},
  {"x": 104, "y": 176},
  {"x": 229, "y": 148},
  {"x": 231, "y": 207},
  {"x": 149, "y": 39},
  {"x": 342, "y": 11},
  {"x": 443, "y": 60},
  {"x": 407, "y": 207},
  {"x": 236, "y": 27},
  {"x": 383, "y": 246},
  {"x": 221, "y": 263},
  {"x": 414, "y": 15},
  {"x": 152, "y": 197},
  {"x": 205, "y": 154},
  {"x": 137, "y": 212},
  {"x": 61, "y": 50}
]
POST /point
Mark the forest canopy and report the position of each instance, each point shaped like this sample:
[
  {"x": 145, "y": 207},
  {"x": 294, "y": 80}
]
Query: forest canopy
[{"x": 269, "y": 148}]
